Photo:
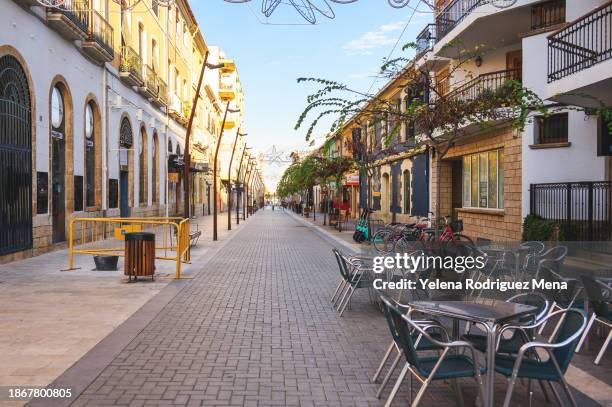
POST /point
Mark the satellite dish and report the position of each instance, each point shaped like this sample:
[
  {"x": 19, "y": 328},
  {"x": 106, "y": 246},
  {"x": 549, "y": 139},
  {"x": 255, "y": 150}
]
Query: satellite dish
[{"x": 503, "y": 3}]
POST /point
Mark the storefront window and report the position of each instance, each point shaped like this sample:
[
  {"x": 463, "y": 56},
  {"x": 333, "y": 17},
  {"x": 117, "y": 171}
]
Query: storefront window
[{"x": 483, "y": 181}]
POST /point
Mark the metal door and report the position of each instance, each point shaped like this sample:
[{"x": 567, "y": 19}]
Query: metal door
[
  {"x": 15, "y": 158},
  {"x": 124, "y": 204}
]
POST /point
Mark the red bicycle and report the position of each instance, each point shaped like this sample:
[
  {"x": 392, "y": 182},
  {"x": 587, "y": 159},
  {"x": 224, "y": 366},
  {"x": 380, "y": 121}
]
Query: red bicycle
[{"x": 450, "y": 241}]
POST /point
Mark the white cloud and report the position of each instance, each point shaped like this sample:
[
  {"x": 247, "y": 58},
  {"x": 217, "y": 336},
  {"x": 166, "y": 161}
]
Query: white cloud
[{"x": 371, "y": 40}]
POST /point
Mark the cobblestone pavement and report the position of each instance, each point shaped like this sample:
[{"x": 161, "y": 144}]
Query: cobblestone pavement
[{"x": 255, "y": 327}]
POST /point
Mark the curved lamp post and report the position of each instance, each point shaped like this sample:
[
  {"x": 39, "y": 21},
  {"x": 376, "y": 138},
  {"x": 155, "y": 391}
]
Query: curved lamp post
[
  {"x": 238, "y": 191},
  {"x": 187, "y": 153},
  {"x": 246, "y": 186},
  {"x": 229, "y": 182},
  {"x": 227, "y": 110}
]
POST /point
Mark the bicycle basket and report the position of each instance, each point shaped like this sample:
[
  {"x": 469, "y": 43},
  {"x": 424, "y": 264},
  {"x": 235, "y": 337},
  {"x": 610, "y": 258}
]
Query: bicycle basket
[{"x": 457, "y": 225}]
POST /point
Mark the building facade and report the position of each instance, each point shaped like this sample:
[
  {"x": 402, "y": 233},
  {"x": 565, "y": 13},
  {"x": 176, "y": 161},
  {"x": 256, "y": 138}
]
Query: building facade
[{"x": 94, "y": 108}]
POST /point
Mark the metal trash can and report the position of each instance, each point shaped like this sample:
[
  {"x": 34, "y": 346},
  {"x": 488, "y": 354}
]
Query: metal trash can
[{"x": 139, "y": 255}]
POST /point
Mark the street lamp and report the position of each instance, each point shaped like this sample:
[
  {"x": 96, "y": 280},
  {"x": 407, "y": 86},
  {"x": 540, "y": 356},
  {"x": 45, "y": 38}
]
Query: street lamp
[
  {"x": 187, "y": 153},
  {"x": 227, "y": 110},
  {"x": 238, "y": 190},
  {"x": 229, "y": 182},
  {"x": 245, "y": 213}
]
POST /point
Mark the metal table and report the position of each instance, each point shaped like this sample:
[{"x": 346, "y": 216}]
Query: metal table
[{"x": 493, "y": 316}]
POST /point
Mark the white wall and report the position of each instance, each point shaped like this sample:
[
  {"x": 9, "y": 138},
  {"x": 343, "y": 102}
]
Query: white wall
[
  {"x": 577, "y": 8},
  {"x": 579, "y": 162}
]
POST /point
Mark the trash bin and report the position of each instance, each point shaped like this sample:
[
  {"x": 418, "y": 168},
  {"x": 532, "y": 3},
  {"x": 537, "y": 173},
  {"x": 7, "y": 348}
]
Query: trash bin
[{"x": 139, "y": 255}]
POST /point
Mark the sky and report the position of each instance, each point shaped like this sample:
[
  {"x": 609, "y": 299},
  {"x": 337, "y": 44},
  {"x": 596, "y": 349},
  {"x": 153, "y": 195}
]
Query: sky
[{"x": 271, "y": 53}]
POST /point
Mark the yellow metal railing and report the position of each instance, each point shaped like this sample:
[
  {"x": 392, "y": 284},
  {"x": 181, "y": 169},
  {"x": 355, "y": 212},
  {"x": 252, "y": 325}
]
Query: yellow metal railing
[{"x": 96, "y": 236}]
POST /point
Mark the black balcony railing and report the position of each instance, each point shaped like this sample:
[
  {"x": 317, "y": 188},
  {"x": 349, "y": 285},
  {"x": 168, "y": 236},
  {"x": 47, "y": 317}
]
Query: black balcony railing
[
  {"x": 102, "y": 32},
  {"x": 131, "y": 62},
  {"x": 425, "y": 40},
  {"x": 547, "y": 14},
  {"x": 76, "y": 11},
  {"x": 488, "y": 83},
  {"x": 150, "y": 80},
  {"x": 582, "y": 209},
  {"x": 453, "y": 14},
  {"x": 584, "y": 43}
]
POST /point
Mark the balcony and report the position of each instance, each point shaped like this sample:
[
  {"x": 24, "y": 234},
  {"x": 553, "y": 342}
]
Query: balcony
[
  {"x": 176, "y": 110},
  {"x": 425, "y": 41},
  {"x": 580, "y": 60},
  {"x": 488, "y": 83},
  {"x": 227, "y": 93},
  {"x": 549, "y": 14},
  {"x": 99, "y": 42},
  {"x": 230, "y": 123},
  {"x": 150, "y": 89},
  {"x": 71, "y": 19},
  {"x": 228, "y": 66},
  {"x": 465, "y": 21},
  {"x": 162, "y": 93},
  {"x": 130, "y": 67}
]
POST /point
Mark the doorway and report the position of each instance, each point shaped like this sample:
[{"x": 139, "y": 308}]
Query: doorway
[
  {"x": 514, "y": 63},
  {"x": 124, "y": 202},
  {"x": 58, "y": 166},
  {"x": 15, "y": 158}
]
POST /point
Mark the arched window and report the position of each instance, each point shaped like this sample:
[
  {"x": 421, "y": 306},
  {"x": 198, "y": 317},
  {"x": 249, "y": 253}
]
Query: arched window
[
  {"x": 155, "y": 165},
  {"x": 90, "y": 156},
  {"x": 142, "y": 157},
  {"x": 407, "y": 191}
]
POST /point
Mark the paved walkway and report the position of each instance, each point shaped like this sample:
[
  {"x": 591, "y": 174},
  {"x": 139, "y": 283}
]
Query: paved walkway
[
  {"x": 255, "y": 327},
  {"x": 50, "y": 318}
]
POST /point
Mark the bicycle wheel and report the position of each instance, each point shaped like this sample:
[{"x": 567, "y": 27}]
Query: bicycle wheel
[
  {"x": 382, "y": 242},
  {"x": 408, "y": 244},
  {"x": 461, "y": 246}
]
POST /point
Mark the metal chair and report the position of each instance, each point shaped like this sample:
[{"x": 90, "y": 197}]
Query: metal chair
[
  {"x": 421, "y": 344},
  {"x": 446, "y": 366},
  {"x": 600, "y": 298},
  {"x": 562, "y": 299},
  {"x": 552, "y": 258},
  {"x": 560, "y": 353},
  {"x": 355, "y": 275},
  {"x": 512, "y": 344}
]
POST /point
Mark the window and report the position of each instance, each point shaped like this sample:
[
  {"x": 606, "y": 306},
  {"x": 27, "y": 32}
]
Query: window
[
  {"x": 142, "y": 185},
  {"x": 483, "y": 180},
  {"x": 154, "y": 56},
  {"x": 551, "y": 129},
  {"x": 443, "y": 81},
  {"x": 407, "y": 191},
  {"x": 90, "y": 156}
]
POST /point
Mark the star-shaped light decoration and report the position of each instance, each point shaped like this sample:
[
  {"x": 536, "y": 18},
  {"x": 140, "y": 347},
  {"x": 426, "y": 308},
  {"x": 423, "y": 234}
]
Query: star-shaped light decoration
[{"x": 309, "y": 9}]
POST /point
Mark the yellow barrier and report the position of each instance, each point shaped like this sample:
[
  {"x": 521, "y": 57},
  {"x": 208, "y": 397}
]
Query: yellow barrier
[{"x": 96, "y": 232}]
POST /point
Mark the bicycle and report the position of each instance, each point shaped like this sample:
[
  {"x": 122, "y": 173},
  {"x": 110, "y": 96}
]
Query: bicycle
[{"x": 450, "y": 240}]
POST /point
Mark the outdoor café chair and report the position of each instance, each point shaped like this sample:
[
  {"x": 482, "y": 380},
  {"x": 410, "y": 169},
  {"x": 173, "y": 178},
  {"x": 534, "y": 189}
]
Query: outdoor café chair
[
  {"x": 355, "y": 276},
  {"x": 344, "y": 265},
  {"x": 552, "y": 258},
  {"x": 447, "y": 365},
  {"x": 533, "y": 250},
  {"x": 527, "y": 364},
  {"x": 600, "y": 298},
  {"x": 562, "y": 299},
  {"x": 512, "y": 344},
  {"x": 437, "y": 331}
]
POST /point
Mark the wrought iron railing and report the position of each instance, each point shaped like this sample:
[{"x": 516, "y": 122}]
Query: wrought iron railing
[
  {"x": 552, "y": 129},
  {"x": 131, "y": 62},
  {"x": 102, "y": 32},
  {"x": 582, "y": 209},
  {"x": 453, "y": 14},
  {"x": 584, "y": 43},
  {"x": 547, "y": 14},
  {"x": 150, "y": 79},
  {"x": 76, "y": 11},
  {"x": 488, "y": 83},
  {"x": 162, "y": 93},
  {"x": 425, "y": 40}
]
